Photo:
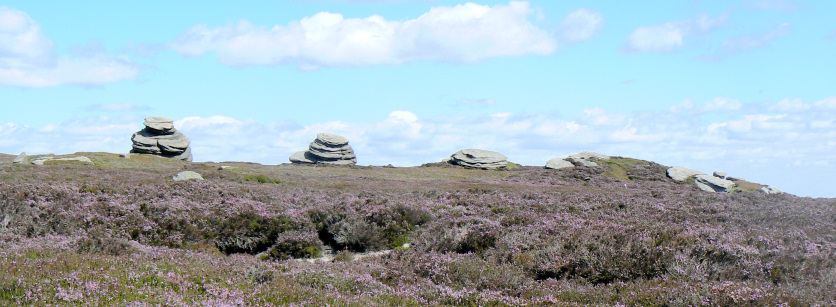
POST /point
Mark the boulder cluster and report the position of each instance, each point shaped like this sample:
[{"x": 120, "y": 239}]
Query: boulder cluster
[
  {"x": 327, "y": 148},
  {"x": 160, "y": 138},
  {"x": 584, "y": 158},
  {"x": 716, "y": 182},
  {"x": 479, "y": 158}
]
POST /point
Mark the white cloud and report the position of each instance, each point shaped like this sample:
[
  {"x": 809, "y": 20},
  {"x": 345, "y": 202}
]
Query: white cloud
[
  {"x": 28, "y": 59},
  {"x": 465, "y": 33},
  {"x": 581, "y": 25},
  {"x": 779, "y": 143},
  {"x": 671, "y": 35}
]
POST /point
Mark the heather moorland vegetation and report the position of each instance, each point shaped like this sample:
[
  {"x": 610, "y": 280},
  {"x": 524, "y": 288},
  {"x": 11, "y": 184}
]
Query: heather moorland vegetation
[{"x": 122, "y": 232}]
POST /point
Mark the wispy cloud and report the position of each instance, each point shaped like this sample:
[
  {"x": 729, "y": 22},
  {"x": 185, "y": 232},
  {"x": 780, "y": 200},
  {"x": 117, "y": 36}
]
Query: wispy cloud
[
  {"x": 28, "y": 58},
  {"x": 580, "y": 25},
  {"x": 670, "y": 36},
  {"x": 464, "y": 33}
]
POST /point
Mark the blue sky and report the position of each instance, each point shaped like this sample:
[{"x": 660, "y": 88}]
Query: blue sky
[{"x": 746, "y": 87}]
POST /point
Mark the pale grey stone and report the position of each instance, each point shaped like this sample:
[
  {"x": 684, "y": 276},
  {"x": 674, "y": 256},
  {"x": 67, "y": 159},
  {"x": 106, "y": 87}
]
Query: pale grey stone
[
  {"x": 82, "y": 159},
  {"x": 185, "y": 155},
  {"x": 159, "y": 125},
  {"x": 41, "y": 160},
  {"x": 21, "y": 159},
  {"x": 479, "y": 158},
  {"x": 588, "y": 155},
  {"x": 300, "y": 157},
  {"x": 145, "y": 142},
  {"x": 681, "y": 174},
  {"x": 125, "y": 155},
  {"x": 734, "y": 178},
  {"x": 226, "y": 167},
  {"x": 558, "y": 163},
  {"x": 331, "y": 139},
  {"x": 719, "y": 174},
  {"x": 174, "y": 143},
  {"x": 187, "y": 175},
  {"x": 770, "y": 190},
  {"x": 712, "y": 184}
]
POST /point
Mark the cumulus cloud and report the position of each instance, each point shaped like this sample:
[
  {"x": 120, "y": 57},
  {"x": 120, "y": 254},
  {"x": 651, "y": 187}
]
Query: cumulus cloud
[
  {"x": 779, "y": 143},
  {"x": 28, "y": 58},
  {"x": 465, "y": 33},
  {"x": 671, "y": 35},
  {"x": 581, "y": 25}
]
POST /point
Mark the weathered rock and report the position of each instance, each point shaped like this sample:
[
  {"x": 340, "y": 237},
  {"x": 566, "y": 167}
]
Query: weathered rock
[
  {"x": 588, "y": 155},
  {"x": 80, "y": 159},
  {"x": 719, "y": 174},
  {"x": 479, "y": 158},
  {"x": 160, "y": 138},
  {"x": 558, "y": 163},
  {"x": 712, "y": 184},
  {"x": 226, "y": 167},
  {"x": 734, "y": 178},
  {"x": 187, "y": 175},
  {"x": 21, "y": 159},
  {"x": 159, "y": 125},
  {"x": 681, "y": 174},
  {"x": 770, "y": 190},
  {"x": 327, "y": 148}
]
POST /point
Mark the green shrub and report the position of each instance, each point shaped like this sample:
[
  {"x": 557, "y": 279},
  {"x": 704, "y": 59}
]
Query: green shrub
[
  {"x": 261, "y": 179},
  {"x": 251, "y": 233}
]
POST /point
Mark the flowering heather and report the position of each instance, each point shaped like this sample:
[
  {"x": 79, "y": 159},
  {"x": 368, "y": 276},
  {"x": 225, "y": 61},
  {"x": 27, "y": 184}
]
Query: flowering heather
[{"x": 123, "y": 233}]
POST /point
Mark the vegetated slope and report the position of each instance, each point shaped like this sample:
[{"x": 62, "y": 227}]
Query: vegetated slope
[{"x": 622, "y": 233}]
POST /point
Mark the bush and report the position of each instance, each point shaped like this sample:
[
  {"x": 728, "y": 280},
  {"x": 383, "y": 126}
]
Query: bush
[
  {"x": 295, "y": 244},
  {"x": 251, "y": 233}
]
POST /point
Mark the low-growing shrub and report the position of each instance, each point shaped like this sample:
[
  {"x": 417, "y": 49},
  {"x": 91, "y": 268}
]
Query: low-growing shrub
[
  {"x": 261, "y": 179},
  {"x": 251, "y": 233},
  {"x": 295, "y": 244}
]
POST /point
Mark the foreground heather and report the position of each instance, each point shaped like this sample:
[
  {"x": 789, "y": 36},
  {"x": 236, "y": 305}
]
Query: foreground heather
[{"x": 123, "y": 233}]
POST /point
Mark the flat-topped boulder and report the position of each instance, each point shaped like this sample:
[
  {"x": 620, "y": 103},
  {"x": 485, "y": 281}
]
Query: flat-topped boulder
[
  {"x": 680, "y": 174},
  {"x": 583, "y": 158},
  {"x": 159, "y": 137},
  {"x": 710, "y": 183},
  {"x": 558, "y": 163},
  {"x": 479, "y": 158},
  {"x": 187, "y": 175},
  {"x": 327, "y": 148}
]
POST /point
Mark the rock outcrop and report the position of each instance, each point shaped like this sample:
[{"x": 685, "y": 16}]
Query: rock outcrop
[
  {"x": 327, "y": 148},
  {"x": 21, "y": 159},
  {"x": 50, "y": 159},
  {"x": 770, "y": 190},
  {"x": 681, "y": 174},
  {"x": 479, "y": 158},
  {"x": 558, "y": 163},
  {"x": 719, "y": 174},
  {"x": 187, "y": 175},
  {"x": 160, "y": 138},
  {"x": 713, "y": 184}
]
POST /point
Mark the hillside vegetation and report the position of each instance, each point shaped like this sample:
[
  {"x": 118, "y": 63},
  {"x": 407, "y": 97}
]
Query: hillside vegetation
[{"x": 122, "y": 232}]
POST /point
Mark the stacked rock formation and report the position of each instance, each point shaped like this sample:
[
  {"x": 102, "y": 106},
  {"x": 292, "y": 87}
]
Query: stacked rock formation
[
  {"x": 327, "y": 148},
  {"x": 478, "y": 158},
  {"x": 160, "y": 138}
]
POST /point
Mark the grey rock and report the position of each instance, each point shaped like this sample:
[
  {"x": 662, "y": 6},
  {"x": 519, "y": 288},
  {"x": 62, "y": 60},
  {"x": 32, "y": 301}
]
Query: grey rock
[
  {"x": 331, "y": 139},
  {"x": 160, "y": 138},
  {"x": 187, "y": 175},
  {"x": 681, "y": 174},
  {"x": 713, "y": 184},
  {"x": 41, "y": 160},
  {"x": 719, "y": 174},
  {"x": 21, "y": 159},
  {"x": 734, "y": 178},
  {"x": 159, "y": 125},
  {"x": 82, "y": 159},
  {"x": 588, "y": 155},
  {"x": 300, "y": 157},
  {"x": 479, "y": 158},
  {"x": 125, "y": 155},
  {"x": 583, "y": 162},
  {"x": 770, "y": 190},
  {"x": 557, "y": 163}
]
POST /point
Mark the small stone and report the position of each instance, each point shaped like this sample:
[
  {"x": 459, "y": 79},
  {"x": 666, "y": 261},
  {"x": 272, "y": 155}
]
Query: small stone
[
  {"x": 557, "y": 163},
  {"x": 21, "y": 159},
  {"x": 719, "y": 174},
  {"x": 125, "y": 155},
  {"x": 680, "y": 174},
  {"x": 187, "y": 175},
  {"x": 226, "y": 167}
]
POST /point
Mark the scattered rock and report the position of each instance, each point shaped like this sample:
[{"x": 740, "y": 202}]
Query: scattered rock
[
  {"x": 713, "y": 184},
  {"x": 21, "y": 159},
  {"x": 225, "y": 167},
  {"x": 125, "y": 155},
  {"x": 558, "y": 163},
  {"x": 680, "y": 174},
  {"x": 187, "y": 175},
  {"x": 770, "y": 190},
  {"x": 719, "y": 174},
  {"x": 160, "y": 138},
  {"x": 734, "y": 178},
  {"x": 327, "y": 148},
  {"x": 479, "y": 158}
]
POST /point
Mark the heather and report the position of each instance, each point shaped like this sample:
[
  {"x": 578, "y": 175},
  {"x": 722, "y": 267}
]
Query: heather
[{"x": 123, "y": 233}]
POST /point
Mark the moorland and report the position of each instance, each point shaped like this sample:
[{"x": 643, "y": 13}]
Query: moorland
[{"x": 122, "y": 232}]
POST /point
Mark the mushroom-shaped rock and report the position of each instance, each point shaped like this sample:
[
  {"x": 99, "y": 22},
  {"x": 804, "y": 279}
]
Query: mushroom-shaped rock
[
  {"x": 558, "y": 163},
  {"x": 187, "y": 175},
  {"x": 479, "y": 158},
  {"x": 681, "y": 174},
  {"x": 713, "y": 184},
  {"x": 327, "y": 148},
  {"x": 160, "y": 138}
]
